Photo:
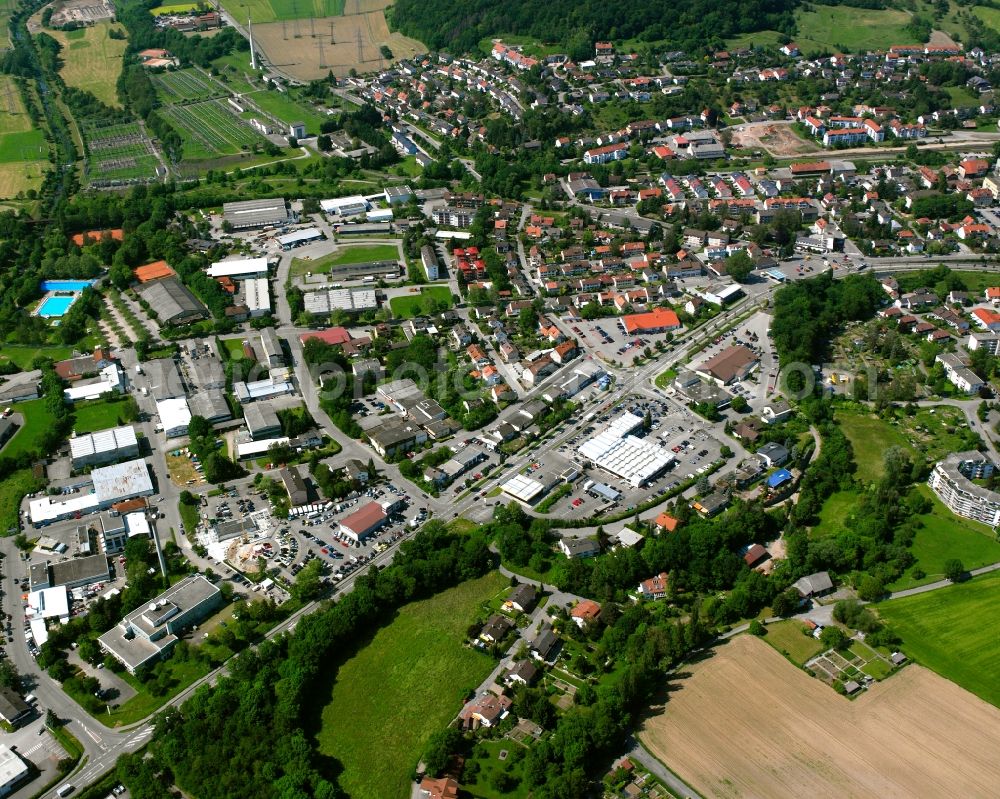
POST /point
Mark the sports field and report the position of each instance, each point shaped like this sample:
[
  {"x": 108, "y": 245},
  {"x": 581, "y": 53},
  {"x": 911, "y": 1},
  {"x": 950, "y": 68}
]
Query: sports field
[
  {"x": 23, "y": 150},
  {"x": 92, "y": 60},
  {"x": 952, "y": 631},
  {"x": 406, "y": 684},
  {"x": 843, "y": 28},
  {"x": 746, "y": 722},
  {"x": 345, "y": 255}
]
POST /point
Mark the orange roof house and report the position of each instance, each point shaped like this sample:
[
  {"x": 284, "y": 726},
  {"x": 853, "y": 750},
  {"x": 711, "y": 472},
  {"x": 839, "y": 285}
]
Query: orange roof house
[
  {"x": 585, "y": 610},
  {"x": 667, "y": 522},
  {"x": 153, "y": 271},
  {"x": 652, "y": 321}
]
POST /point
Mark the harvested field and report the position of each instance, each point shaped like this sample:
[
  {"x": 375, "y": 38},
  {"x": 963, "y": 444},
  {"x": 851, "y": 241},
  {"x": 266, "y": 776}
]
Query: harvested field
[
  {"x": 746, "y": 722},
  {"x": 777, "y": 139},
  {"x": 309, "y": 49}
]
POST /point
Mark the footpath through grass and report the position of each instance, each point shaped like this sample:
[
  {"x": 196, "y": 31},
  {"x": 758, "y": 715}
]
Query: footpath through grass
[
  {"x": 407, "y": 683},
  {"x": 952, "y": 631}
]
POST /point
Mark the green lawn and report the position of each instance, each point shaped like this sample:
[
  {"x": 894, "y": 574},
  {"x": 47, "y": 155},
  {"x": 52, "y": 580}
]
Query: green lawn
[
  {"x": 277, "y": 10},
  {"x": 838, "y": 28},
  {"x": 357, "y": 254},
  {"x": 408, "y": 306},
  {"x": 951, "y": 632},
  {"x": 37, "y": 420},
  {"x": 944, "y": 535},
  {"x": 870, "y": 438},
  {"x": 787, "y": 637},
  {"x": 665, "y": 379},
  {"x": 190, "y": 516},
  {"x": 25, "y": 356},
  {"x": 961, "y": 97},
  {"x": 487, "y": 753},
  {"x": 12, "y": 490},
  {"x": 97, "y": 415},
  {"x": 408, "y": 166},
  {"x": 234, "y": 349},
  {"x": 406, "y": 684}
]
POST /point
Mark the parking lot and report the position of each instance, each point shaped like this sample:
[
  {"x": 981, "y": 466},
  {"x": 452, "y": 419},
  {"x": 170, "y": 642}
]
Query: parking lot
[
  {"x": 673, "y": 427},
  {"x": 287, "y": 545},
  {"x": 754, "y": 334},
  {"x": 607, "y": 339}
]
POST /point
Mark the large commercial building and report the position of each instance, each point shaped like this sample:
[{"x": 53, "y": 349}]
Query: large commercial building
[
  {"x": 261, "y": 421},
  {"x": 69, "y": 573},
  {"x": 345, "y": 206},
  {"x": 150, "y": 632},
  {"x": 111, "y": 484},
  {"x": 733, "y": 363},
  {"x": 172, "y": 302},
  {"x": 210, "y": 405},
  {"x": 248, "y": 214},
  {"x": 952, "y": 479},
  {"x": 13, "y": 770},
  {"x": 363, "y": 522},
  {"x": 104, "y": 446},
  {"x": 239, "y": 269},
  {"x": 175, "y": 416},
  {"x": 300, "y": 237},
  {"x": 164, "y": 378},
  {"x": 524, "y": 489},
  {"x": 327, "y": 301},
  {"x": 271, "y": 354},
  {"x": 257, "y": 296},
  {"x": 617, "y": 451}
]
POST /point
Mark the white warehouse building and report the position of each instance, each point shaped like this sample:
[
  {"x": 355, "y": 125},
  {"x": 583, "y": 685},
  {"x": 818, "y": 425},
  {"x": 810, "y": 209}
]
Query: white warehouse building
[
  {"x": 618, "y": 452},
  {"x": 103, "y": 446}
]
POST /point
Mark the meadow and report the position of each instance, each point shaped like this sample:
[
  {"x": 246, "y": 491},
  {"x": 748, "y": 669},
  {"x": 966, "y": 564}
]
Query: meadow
[
  {"x": 92, "y": 60},
  {"x": 951, "y": 632},
  {"x": 13, "y": 488},
  {"x": 406, "y": 683},
  {"x": 991, "y": 16},
  {"x": 870, "y": 438},
  {"x": 844, "y": 28},
  {"x": 787, "y": 637}
]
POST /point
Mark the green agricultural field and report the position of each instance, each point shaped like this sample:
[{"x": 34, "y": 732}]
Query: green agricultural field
[
  {"x": 407, "y": 683},
  {"x": 406, "y": 307},
  {"x": 97, "y": 415},
  {"x": 37, "y": 421},
  {"x": 951, "y": 631},
  {"x": 93, "y": 60},
  {"x": 787, "y": 637},
  {"x": 358, "y": 254},
  {"x": 870, "y": 438},
  {"x": 944, "y": 535},
  {"x": 277, "y": 10},
  {"x": 836, "y": 28},
  {"x": 13, "y": 489}
]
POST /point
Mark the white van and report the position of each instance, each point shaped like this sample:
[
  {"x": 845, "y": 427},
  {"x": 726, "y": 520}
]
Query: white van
[{"x": 65, "y": 790}]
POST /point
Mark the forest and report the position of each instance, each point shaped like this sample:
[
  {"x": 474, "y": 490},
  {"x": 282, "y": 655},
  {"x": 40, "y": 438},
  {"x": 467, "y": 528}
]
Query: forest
[{"x": 459, "y": 25}]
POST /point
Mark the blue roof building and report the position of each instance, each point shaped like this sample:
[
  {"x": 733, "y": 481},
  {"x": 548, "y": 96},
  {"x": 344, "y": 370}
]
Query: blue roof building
[{"x": 779, "y": 478}]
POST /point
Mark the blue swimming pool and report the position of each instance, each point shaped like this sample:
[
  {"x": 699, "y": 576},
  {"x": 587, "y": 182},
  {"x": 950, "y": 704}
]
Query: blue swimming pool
[
  {"x": 54, "y": 307},
  {"x": 66, "y": 285}
]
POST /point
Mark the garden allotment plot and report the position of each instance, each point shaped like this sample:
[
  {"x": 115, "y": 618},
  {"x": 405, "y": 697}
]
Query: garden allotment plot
[
  {"x": 211, "y": 129},
  {"x": 186, "y": 85},
  {"x": 119, "y": 154}
]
